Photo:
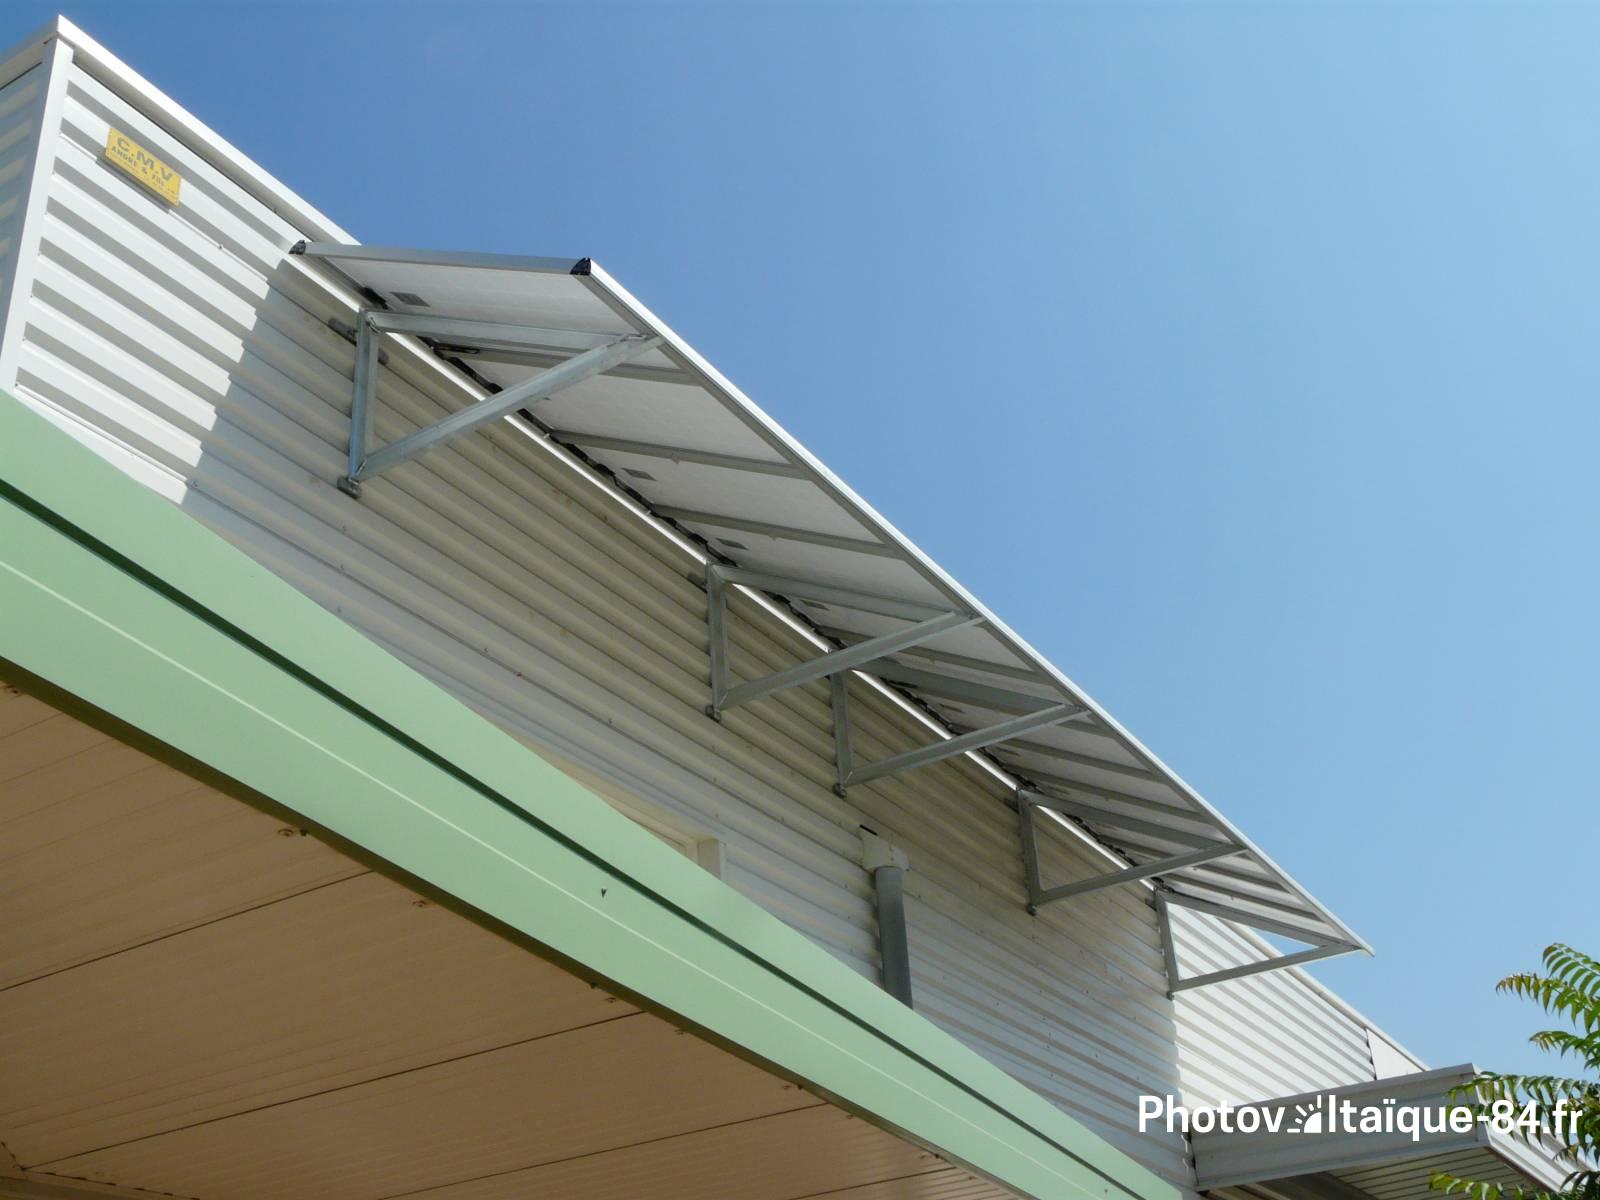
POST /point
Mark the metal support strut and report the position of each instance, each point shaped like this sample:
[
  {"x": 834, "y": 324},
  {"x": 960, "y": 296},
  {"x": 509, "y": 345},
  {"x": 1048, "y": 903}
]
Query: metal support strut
[
  {"x": 365, "y": 461},
  {"x": 1153, "y": 848},
  {"x": 926, "y": 623},
  {"x": 1039, "y": 895},
  {"x": 1321, "y": 946},
  {"x": 1204, "y": 850}
]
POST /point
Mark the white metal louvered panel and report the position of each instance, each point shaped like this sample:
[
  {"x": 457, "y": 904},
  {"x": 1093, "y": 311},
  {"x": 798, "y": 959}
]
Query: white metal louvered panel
[
  {"x": 1269, "y": 1035},
  {"x": 23, "y": 116},
  {"x": 1393, "y": 1163},
  {"x": 19, "y": 131},
  {"x": 1413, "y": 1180}
]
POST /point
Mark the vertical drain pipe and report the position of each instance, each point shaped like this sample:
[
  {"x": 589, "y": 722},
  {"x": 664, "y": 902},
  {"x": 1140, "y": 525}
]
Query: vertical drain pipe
[{"x": 888, "y": 866}]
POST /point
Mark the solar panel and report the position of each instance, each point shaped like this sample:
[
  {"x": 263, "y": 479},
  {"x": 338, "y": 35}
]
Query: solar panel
[{"x": 559, "y": 340}]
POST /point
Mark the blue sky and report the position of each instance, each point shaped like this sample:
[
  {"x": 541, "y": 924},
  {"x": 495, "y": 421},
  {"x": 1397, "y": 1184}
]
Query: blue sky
[{"x": 1242, "y": 357}]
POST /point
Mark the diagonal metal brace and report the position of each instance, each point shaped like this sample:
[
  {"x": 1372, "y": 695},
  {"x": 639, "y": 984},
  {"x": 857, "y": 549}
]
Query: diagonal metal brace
[
  {"x": 1144, "y": 870},
  {"x": 1321, "y": 946},
  {"x": 975, "y": 739},
  {"x": 365, "y": 463},
  {"x": 725, "y": 695},
  {"x": 1039, "y": 895},
  {"x": 1288, "y": 929},
  {"x": 836, "y": 665},
  {"x": 846, "y": 659},
  {"x": 1087, "y": 810}
]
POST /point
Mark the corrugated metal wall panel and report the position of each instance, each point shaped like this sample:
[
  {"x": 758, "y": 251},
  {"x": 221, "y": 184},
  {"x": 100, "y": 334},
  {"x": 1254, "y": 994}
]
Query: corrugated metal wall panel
[
  {"x": 19, "y": 129},
  {"x": 1298, "y": 1041},
  {"x": 185, "y": 346},
  {"x": 22, "y": 118}
]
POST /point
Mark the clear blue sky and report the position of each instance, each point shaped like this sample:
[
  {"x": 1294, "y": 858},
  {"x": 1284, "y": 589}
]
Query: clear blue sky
[{"x": 1242, "y": 357}]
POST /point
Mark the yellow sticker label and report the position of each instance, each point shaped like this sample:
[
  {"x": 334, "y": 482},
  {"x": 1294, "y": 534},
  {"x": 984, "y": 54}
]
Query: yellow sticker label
[{"x": 122, "y": 151}]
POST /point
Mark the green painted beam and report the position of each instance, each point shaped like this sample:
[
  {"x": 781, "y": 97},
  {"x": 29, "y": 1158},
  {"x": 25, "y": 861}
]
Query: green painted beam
[{"x": 116, "y": 597}]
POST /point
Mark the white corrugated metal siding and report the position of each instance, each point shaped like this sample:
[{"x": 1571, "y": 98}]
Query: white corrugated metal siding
[
  {"x": 19, "y": 129},
  {"x": 22, "y": 113},
  {"x": 187, "y": 348},
  {"x": 1297, "y": 1041}
]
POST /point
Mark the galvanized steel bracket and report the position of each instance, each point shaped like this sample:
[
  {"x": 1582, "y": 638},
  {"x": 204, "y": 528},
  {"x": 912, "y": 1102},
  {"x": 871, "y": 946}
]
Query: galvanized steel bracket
[
  {"x": 366, "y": 461},
  {"x": 1038, "y": 895},
  {"x": 1167, "y": 898},
  {"x": 1152, "y": 871},
  {"x": 924, "y": 623}
]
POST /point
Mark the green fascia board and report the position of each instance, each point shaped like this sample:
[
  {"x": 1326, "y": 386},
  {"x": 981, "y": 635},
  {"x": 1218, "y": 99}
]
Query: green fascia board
[{"x": 117, "y": 598}]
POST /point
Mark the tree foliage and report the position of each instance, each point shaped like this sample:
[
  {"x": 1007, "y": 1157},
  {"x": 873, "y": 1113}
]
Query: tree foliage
[{"x": 1569, "y": 989}]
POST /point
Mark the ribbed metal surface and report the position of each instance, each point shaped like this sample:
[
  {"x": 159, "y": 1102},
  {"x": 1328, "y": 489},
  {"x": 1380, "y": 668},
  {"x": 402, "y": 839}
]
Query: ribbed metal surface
[
  {"x": 1387, "y": 1164},
  {"x": 1225, "y": 1157},
  {"x": 19, "y": 131},
  {"x": 942, "y": 1185},
  {"x": 188, "y": 349},
  {"x": 810, "y": 1150},
  {"x": 354, "y": 1040},
  {"x": 585, "y": 1091},
  {"x": 1407, "y": 1180},
  {"x": 1412, "y": 1180},
  {"x": 285, "y": 1007},
  {"x": 101, "y": 849},
  {"x": 1266, "y": 1035}
]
